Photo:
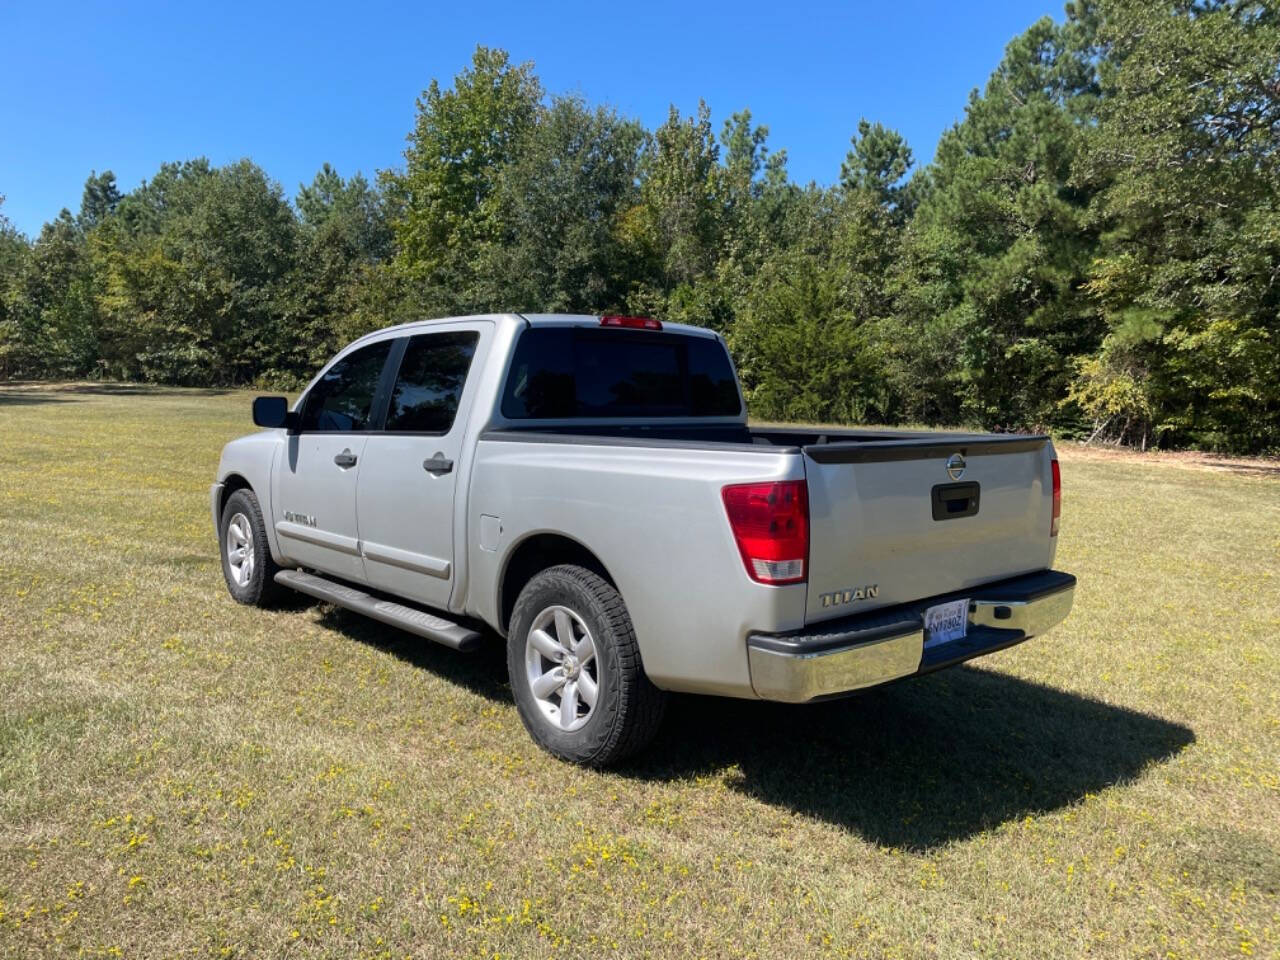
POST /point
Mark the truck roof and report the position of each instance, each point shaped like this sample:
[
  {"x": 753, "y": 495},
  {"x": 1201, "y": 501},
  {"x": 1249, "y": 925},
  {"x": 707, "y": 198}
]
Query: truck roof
[
  {"x": 535, "y": 320},
  {"x": 593, "y": 320}
]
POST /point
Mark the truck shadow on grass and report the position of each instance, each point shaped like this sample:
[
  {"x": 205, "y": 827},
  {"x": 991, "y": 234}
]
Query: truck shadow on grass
[
  {"x": 920, "y": 763},
  {"x": 912, "y": 766},
  {"x": 482, "y": 671}
]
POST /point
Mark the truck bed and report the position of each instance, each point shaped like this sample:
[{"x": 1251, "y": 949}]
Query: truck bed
[
  {"x": 889, "y": 523},
  {"x": 824, "y": 446}
]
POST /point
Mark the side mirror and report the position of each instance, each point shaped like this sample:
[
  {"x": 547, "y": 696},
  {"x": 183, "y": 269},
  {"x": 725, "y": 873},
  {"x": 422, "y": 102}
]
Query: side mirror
[{"x": 272, "y": 412}]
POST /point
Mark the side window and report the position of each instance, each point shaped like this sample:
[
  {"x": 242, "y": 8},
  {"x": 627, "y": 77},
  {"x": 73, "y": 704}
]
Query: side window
[
  {"x": 342, "y": 399},
  {"x": 429, "y": 386}
]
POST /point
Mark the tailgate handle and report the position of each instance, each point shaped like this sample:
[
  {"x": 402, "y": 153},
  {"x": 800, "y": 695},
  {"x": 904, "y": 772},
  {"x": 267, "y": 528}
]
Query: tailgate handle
[{"x": 952, "y": 500}]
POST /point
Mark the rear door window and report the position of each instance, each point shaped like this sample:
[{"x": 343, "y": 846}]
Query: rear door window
[
  {"x": 428, "y": 387},
  {"x": 571, "y": 372}
]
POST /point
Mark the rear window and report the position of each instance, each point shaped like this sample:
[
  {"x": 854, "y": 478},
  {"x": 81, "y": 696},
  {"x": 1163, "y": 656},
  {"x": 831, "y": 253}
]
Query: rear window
[{"x": 570, "y": 372}]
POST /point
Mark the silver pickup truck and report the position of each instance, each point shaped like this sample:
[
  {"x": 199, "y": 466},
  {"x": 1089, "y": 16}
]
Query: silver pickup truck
[{"x": 589, "y": 489}]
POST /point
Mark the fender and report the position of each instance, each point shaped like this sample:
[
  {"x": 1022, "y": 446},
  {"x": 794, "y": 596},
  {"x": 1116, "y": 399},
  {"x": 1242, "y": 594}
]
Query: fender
[{"x": 253, "y": 458}]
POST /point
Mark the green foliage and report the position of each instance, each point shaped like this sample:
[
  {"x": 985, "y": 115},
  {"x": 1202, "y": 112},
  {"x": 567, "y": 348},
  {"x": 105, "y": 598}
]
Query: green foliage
[
  {"x": 997, "y": 252},
  {"x": 1094, "y": 249},
  {"x": 100, "y": 199},
  {"x": 53, "y": 304},
  {"x": 801, "y": 357},
  {"x": 344, "y": 235},
  {"x": 14, "y": 253},
  {"x": 196, "y": 272},
  {"x": 681, "y": 200},
  {"x": 557, "y": 209},
  {"x": 1187, "y": 152},
  {"x": 878, "y": 160},
  {"x": 462, "y": 141}
]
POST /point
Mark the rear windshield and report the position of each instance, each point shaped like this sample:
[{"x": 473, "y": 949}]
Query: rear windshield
[{"x": 570, "y": 372}]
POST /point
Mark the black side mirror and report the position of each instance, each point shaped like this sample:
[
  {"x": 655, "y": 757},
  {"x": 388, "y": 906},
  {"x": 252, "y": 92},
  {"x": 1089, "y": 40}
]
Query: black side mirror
[{"x": 271, "y": 412}]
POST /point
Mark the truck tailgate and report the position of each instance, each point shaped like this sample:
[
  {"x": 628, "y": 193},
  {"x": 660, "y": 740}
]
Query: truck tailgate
[{"x": 890, "y": 523}]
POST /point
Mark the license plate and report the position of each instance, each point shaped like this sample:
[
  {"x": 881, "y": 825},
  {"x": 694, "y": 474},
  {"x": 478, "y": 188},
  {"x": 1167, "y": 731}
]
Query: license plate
[{"x": 946, "y": 622}]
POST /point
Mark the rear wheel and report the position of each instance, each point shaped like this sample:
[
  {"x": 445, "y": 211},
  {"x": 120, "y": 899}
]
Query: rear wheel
[
  {"x": 575, "y": 668},
  {"x": 246, "y": 557}
]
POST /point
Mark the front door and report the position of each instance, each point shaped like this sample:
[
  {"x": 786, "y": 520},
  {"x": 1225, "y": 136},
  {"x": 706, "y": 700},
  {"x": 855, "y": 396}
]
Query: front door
[
  {"x": 314, "y": 495},
  {"x": 409, "y": 470}
]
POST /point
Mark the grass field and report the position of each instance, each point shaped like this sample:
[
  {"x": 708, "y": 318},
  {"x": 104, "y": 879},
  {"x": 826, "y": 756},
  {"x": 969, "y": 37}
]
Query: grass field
[{"x": 180, "y": 775}]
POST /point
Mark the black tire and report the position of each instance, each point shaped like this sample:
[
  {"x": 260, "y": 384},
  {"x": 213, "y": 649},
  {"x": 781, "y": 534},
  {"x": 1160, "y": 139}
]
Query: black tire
[
  {"x": 628, "y": 708},
  {"x": 260, "y": 589}
]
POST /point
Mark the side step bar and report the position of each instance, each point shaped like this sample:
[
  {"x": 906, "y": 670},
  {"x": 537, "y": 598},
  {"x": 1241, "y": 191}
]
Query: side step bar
[{"x": 388, "y": 611}]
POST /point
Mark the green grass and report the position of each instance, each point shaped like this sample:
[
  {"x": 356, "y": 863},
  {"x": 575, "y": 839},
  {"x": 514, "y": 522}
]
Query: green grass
[{"x": 180, "y": 775}]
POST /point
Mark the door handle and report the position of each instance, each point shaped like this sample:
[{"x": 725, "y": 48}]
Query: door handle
[
  {"x": 438, "y": 464},
  {"x": 345, "y": 459}
]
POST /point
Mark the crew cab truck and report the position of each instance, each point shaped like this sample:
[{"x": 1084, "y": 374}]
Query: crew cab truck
[{"x": 589, "y": 489}]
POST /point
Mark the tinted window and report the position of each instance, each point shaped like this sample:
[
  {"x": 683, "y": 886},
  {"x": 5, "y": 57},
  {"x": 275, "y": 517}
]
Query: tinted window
[
  {"x": 342, "y": 399},
  {"x": 713, "y": 391},
  {"x": 427, "y": 390},
  {"x": 567, "y": 372}
]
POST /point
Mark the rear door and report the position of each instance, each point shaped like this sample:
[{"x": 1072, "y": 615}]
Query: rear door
[
  {"x": 902, "y": 520},
  {"x": 314, "y": 484},
  {"x": 409, "y": 470}
]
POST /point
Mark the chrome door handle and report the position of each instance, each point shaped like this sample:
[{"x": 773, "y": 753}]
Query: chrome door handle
[
  {"x": 438, "y": 464},
  {"x": 345, "y": 459}
]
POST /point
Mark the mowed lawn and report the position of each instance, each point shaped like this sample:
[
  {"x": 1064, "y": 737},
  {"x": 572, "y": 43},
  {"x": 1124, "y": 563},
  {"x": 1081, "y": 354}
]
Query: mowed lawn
[{"x": 180, "y": 775}]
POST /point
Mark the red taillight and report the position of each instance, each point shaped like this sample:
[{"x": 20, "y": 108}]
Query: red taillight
[
  {"x": 1057, "y": 500},
  {"x": 631, "y": 323},
  {"x": 770, "y": 522}
]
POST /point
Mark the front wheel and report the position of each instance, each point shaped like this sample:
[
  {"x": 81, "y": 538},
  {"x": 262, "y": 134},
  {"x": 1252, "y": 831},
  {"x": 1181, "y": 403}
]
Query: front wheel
[
  {"x": 575, "y": 668},
  {"x": 247, "y": 565}
]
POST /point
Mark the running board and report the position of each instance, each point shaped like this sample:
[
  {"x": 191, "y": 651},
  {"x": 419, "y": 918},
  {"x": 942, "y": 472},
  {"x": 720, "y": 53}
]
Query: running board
[{"x": 388, "y": 611}]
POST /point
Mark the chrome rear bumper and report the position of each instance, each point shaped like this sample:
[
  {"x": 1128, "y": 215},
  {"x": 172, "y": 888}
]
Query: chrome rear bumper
[{"x": 841, "y": 656}]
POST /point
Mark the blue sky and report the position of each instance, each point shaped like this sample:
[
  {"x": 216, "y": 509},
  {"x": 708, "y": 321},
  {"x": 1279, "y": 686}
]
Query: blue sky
[{"x": 125, "y": 86}]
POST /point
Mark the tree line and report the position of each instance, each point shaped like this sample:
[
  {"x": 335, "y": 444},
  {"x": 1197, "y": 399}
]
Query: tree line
[{"x": 1095, "y": 248}]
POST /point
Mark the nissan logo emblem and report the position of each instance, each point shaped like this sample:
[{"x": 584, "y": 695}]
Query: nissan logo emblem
[{"x": 955, "y": 466}]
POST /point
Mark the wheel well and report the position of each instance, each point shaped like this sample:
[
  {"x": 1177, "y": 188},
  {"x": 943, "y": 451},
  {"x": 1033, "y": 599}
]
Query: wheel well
[
  {"x": 536, "y": 554},
  {"x": 230, "y": 485}
]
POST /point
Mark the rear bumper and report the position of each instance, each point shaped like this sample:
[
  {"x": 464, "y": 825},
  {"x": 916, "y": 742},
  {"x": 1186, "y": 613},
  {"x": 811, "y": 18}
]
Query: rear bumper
[{"x": 839, "y": 656}]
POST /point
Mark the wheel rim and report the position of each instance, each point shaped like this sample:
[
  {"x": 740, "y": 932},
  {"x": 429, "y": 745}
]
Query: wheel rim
[
  {"x": 560, "y": 660},
  {"x": 240, "y": 550}
]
